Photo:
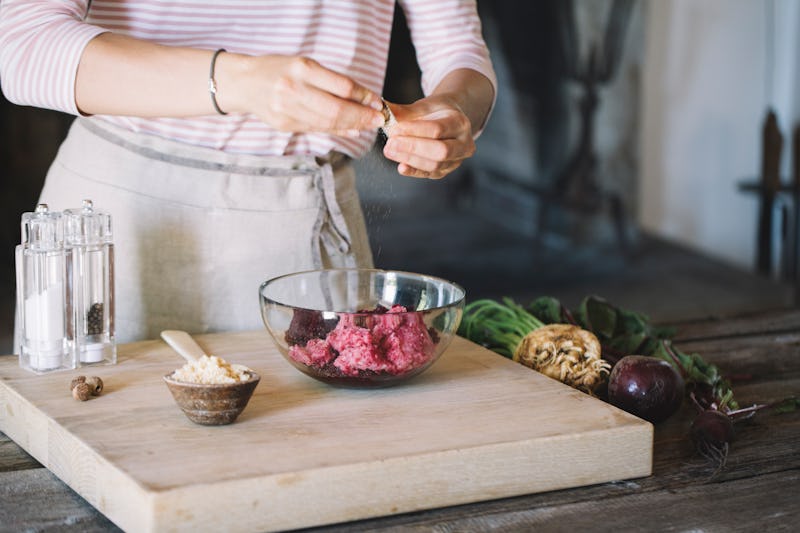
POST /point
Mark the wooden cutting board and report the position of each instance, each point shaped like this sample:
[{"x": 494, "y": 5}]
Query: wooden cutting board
[{"x": 474, "y": 427}]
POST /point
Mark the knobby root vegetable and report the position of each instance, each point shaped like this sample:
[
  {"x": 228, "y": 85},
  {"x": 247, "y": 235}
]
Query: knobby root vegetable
[{"x": 566, "y": 353}]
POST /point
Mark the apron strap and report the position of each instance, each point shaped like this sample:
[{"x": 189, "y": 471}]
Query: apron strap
[{"x": 330, "y": 230}]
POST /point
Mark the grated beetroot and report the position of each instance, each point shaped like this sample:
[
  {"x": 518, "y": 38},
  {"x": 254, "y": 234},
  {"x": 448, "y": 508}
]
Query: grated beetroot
[{"x": 307, "y": 324}]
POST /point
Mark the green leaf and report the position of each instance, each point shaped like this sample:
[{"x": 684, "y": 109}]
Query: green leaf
[
  {"x": 581, "y": 316},
  {"x": 601, "y": 315},
  {"x": 546, "y": 308},
  {"x": 649, "y": 346},
  {"x": 631, "y": 322},
  {"x": 628, "y": 344},
  {"x": 662, "y": 332},
  {"x": 787, "y": 405}
]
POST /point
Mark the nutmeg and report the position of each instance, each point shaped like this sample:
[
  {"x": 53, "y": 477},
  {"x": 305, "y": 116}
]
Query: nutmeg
[
  {"x": 75, "y": 381},
  {"x": 81, "y": 392},
  {"x": 95, "y": 385}
]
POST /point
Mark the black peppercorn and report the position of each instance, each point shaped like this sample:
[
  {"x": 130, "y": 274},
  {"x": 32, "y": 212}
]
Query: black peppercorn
[{"x": 94, "y": 319}]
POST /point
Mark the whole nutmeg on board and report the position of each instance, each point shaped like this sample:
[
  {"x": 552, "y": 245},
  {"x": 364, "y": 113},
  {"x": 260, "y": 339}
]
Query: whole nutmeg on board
[
  {"x": 95, "y": 385},
  {"x": 81, "y": 392},
  {"x": 75, "y": 381}
]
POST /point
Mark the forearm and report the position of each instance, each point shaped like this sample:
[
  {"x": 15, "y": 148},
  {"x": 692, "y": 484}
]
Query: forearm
[
  {"x": 119, "y": 75},
  {"x": 471, "y": 91}
]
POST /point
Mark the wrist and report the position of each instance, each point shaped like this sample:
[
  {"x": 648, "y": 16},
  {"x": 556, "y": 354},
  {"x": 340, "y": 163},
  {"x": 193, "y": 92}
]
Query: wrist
[
  {"x": 472, "y": 93},
  {"x": 230, "y": 75}
]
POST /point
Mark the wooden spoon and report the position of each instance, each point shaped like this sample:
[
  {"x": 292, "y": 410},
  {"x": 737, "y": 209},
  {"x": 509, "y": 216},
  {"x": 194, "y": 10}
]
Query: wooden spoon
[{"x": 184, "y": 344}]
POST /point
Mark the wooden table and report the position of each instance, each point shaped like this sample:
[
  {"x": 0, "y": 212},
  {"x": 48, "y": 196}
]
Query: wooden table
[{"x": 757, "y": 491}]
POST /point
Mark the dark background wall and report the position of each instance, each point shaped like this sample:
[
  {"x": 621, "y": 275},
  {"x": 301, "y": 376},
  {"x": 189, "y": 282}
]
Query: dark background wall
[
  {"x": 528, "y": 141},
  {"x": 30, "y": 141}
]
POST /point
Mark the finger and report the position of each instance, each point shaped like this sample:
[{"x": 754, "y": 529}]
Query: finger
[
  {"x": 333, "y": 113},
  {"x": 407, "y": 170},
  {"x": 438, "y": 172},
  {"x": 312, "y": 73},
  {"x": 302, "y": 107},
  {"x": 401, "y": 148},
  {"x": 286, "y": 112},
  {"x": 443, "y": 124},
  {"x": 412, "y": 160}
]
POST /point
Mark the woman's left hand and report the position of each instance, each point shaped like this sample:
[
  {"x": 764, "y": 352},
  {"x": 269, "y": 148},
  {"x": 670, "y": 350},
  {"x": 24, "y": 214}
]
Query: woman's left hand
[{"x": 431, "y": 139}]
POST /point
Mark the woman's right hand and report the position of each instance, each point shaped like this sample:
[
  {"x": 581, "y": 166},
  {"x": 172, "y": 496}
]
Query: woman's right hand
[{"x": 295, "y": 94}]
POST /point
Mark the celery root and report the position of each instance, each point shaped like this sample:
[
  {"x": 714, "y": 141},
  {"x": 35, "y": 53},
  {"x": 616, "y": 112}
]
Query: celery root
[{"x": 564, "y": 352}]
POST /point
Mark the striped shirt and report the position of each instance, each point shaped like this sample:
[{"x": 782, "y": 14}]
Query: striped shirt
[{"x": 41, "y": 42}]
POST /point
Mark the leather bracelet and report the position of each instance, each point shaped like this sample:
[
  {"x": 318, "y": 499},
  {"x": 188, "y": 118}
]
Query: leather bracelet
[{"x": 212, "y": 83}]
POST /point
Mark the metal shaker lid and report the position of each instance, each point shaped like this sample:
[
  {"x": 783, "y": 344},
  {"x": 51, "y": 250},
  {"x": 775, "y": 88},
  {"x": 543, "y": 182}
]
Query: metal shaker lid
[
  {"x": 43, "y": 229},
  {"x": 87, "y": 225}
]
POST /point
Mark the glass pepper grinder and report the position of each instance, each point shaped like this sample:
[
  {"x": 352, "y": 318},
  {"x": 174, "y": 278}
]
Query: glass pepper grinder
[
  {"x": 90, "y": 271},
  {"x": 43, "y": 293}
]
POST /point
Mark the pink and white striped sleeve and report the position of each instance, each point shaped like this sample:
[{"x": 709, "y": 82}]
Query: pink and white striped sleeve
[
  {"x": 41, "y": 42},
  {"x": 447, "y": 36}
]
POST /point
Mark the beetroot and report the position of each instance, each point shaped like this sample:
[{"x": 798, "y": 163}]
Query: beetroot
[
  {"x": 711, "y": 429},
  {"x": 308, "y": 324},
  {"x": 712, "y": 433},
  {"x": 647, "y": 387}
]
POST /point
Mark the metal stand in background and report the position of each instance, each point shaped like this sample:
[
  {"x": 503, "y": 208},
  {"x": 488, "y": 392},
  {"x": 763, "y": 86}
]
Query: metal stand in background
[
  {"x": 777, "y": 196},
  {"x": 576, "y": 188}
]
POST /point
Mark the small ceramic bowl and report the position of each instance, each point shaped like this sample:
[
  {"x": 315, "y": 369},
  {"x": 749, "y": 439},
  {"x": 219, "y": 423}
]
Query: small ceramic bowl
[{"x": 212, "y": 405}]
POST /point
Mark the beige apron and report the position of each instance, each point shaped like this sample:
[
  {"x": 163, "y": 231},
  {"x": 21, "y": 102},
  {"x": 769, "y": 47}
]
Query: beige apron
[{"x": 196, "y": 230}]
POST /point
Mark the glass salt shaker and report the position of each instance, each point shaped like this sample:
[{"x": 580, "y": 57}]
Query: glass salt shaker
[
  {"x": 43, "y": 293},
  {"x": 90, "y": 270}
]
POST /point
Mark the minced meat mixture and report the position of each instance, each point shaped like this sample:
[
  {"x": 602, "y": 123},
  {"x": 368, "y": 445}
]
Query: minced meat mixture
[{"x": 387, "y": 341}]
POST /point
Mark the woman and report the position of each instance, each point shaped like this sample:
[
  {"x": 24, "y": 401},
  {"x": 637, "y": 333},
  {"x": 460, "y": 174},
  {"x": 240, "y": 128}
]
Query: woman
[{"x": 218, "y": 135}]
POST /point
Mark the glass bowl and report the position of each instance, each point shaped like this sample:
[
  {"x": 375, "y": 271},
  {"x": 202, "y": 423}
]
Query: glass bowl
[{"x": 361, "y": 327}]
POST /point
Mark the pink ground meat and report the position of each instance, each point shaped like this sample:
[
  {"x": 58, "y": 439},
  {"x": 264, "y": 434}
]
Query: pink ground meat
[
  {"x": 317, "y": 352},
  {"x": 392, "y": 342},
  {"x": 356, "y": 348},
  {"x": 403, "y": 339}
]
